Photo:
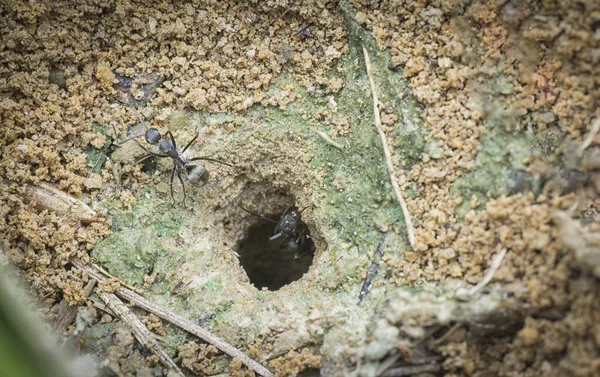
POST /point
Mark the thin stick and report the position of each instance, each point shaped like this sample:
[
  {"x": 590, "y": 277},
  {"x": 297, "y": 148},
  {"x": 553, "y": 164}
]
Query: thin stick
[
  {"x": 98, "y": 304},
  {"x": 141, "y": 333},
  {"x": 446, "y": 335},
  {"x": 387, "y": 363},
  {"x": 388, "y": 155},
  {"x": 590, "y": 136},
  {"x": 329, "y": 140},
  {"x": 105, "y": 273},
  {"x": 410, "y": 370},
  {"x": 179, "y": 321},
  {"x": 47, "y": 197},
  {"x": 277, "y": 18},
  {"x": 303, "y": 28},
  {"x": 372, "y": 271},
  {"x": 67, "y": 313},
  {"x": 467, "y": 294}
]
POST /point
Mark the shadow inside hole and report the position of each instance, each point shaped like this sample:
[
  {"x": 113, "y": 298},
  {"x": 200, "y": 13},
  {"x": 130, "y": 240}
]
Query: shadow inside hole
[{"x": 269, "y": 264}]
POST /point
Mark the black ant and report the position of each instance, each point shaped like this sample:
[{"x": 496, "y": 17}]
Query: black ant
[
  {"x": 292, "y": 230},
  {"x": 195, "y": 173}
]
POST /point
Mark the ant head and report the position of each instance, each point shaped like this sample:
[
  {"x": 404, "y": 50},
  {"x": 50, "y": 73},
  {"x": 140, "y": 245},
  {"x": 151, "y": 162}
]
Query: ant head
[
  {"x": 196, "y": 173},
  {"x": 153, "y": 136}
]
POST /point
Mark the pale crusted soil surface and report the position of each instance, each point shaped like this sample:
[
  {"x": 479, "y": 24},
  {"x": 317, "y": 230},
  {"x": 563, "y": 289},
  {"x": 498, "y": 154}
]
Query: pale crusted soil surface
[{"x": 524, "y": 72}]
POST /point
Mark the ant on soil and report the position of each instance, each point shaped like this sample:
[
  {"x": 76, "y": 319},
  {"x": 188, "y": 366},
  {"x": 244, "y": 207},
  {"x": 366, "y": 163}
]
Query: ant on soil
[
  {"x": 195, "y": 173},
  {"x": 292, "y": 230}
]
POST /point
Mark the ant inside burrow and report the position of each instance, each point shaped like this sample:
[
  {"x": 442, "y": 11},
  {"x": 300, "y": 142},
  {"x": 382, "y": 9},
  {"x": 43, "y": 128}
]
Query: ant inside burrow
[
  {"x": 293, "y": 232},
  {"x": 195, "y": 173}
]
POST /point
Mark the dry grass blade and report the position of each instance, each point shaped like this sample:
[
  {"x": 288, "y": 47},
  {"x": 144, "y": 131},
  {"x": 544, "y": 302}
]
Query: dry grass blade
[
  {"x": 141, "y": 333},
  {"x": 329, "y": 140},
  {"x": 373, "y": 269},
  {"x": 446, "y": 335},
  {"x": 105, "y": 273},
  {"x": 412, "y": 370},
  {"x": 49, "y": 198},
  {"x": 388, "y": 155},
  {"x": 179, "y": 321},
  {"x": 67, "y": 313},
  {"x": 467, "y": 294},
  {"x": 591, "y": 135}
]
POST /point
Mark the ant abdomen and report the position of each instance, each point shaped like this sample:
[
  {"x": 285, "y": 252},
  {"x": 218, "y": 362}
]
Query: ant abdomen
[{"x": 197, "y": 174}]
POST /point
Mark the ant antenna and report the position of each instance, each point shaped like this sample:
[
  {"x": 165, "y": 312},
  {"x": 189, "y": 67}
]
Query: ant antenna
[
  {"x": 126, "y": 140},
  {"x": 256, "y": 214},
  {"x": 137, "y": 113},
  {"x": 152, "y": 135},
  {"x": 302, "y": 210},
  {"x": 211, "y": 159}
]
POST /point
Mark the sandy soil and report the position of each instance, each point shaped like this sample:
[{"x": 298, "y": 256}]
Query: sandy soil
[{"x": 477, "y": 68}]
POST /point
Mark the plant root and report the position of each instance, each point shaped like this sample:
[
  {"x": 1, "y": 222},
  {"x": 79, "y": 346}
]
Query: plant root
[
  {"x": 177, "y": 320},
  {"x": 388, "y": 155}
]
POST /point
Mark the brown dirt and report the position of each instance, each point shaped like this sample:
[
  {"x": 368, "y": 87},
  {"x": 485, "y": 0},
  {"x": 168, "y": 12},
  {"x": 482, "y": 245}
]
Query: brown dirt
[
  {"x": 66, "y": 68},
  {"x": 546, "y": 52}
]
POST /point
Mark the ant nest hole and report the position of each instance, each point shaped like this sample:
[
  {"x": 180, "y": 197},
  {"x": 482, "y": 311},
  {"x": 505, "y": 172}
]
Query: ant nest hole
[{"x": 271, "y": 261}]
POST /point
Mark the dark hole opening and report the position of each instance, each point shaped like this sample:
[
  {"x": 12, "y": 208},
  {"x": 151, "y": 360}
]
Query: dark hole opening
[{"x": 270, "y": 264}]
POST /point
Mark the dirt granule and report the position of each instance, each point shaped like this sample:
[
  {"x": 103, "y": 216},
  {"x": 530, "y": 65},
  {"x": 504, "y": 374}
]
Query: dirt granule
[
  {"x": 198, "y": 358},
  {"x": 293, "y": 363}
]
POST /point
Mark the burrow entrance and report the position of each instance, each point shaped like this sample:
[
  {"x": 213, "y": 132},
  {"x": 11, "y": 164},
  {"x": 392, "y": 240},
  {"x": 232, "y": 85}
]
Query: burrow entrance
[{"x": 272, "y": 263}]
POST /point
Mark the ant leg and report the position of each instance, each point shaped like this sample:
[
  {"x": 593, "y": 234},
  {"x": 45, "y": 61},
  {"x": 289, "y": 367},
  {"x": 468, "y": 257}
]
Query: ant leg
[
  {"x": 191, "y": 141},
  {"x": 300, "y": 236},
  {"x": 256, "y": 214},
  {"x": 139, "y": 117},
  {"x": 150, "y": 152},
  {"x": 276, "y": 236},
  {"x": 126, "y": 140},
  {"x": 182, "y": 185},
  {"x": 171, "y": 183},
  {"x": 144, "y": 158},
  {"x": 172, "y": 139},
  {"x": 301, "y": 244},
  {"x": 301, "y": 255},
  {"x": 210, "y": 159}
]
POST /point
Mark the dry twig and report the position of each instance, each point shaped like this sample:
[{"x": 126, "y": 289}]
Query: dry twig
[
  {"x": 446, "y": 335},
  {"x": 410, "y": 370},
  {"x": 67, "y": 313},
  {"x": 329, "y": 140},
  {"x": 467, "y": 294},
  {"x": 49, "y": 198},
  {"x": 141, "y": 333},
  {"x": 105, "y": 273},
  {"x": 372, "y": 271},
  {"x": 590, "y": 136},
  {"x": 388, "y": 155},
  {"x": 274, "y": 19},
  {"x": 179, "y": 321}
]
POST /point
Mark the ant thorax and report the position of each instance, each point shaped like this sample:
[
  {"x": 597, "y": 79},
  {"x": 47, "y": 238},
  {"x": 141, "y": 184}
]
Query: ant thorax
[{"x": 166, "y": 147}]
